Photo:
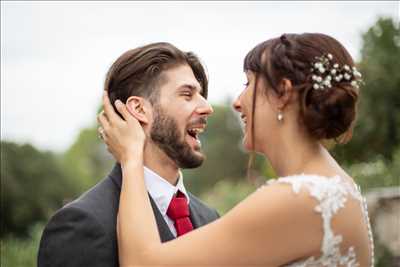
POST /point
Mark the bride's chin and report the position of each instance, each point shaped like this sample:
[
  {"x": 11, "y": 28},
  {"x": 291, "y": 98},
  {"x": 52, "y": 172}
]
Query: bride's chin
[{"x": 246, "y": 143}]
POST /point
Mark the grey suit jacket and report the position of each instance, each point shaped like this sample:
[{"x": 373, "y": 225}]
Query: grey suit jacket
[{"x": 83, "y": 233}]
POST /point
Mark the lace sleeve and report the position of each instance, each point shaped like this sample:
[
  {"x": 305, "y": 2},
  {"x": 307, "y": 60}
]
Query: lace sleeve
[{"x": 331, "y": 195}]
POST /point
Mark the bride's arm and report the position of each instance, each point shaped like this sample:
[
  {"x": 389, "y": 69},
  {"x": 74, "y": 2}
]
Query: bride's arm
[
  {"x": 125, "y": 140},
  {"x": 258, "y": 231}
]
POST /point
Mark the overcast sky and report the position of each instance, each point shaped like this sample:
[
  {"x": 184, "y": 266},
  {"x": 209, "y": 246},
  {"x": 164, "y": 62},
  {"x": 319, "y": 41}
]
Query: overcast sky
[{"x": 54, "y": 55}]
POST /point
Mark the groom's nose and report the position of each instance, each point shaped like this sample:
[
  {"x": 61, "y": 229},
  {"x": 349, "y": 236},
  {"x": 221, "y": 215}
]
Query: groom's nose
[{"x": 204, "y": 108}]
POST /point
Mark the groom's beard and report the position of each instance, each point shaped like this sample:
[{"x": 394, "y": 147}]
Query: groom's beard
[{"x": 164, "y": 133}]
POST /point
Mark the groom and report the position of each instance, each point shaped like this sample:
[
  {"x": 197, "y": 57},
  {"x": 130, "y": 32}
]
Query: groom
[{"x": 168, "y": 88}]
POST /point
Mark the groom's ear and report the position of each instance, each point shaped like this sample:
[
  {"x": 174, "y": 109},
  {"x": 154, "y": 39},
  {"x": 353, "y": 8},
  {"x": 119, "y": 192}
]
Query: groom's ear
[{"x": 137, "y": 108}]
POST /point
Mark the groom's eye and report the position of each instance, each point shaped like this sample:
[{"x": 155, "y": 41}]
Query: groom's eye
[{"x": 187, "y": 94}]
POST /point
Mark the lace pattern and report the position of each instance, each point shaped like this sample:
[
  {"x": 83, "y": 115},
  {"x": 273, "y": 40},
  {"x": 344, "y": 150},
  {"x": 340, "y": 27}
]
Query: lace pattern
[{"x": 331, "y": 194}]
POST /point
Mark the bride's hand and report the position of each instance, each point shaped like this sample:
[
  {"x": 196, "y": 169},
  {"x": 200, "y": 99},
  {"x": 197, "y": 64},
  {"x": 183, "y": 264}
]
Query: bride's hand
[{"x": 124, "y": 138}]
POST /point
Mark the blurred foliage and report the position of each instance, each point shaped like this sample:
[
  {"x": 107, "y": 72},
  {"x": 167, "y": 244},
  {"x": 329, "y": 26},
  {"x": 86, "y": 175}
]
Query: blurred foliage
[
  {"x": 87, "y": 160},
  {"x": 33, "y": 185},
  {"x": 16, "y": 252},
  {"x": 384, "y": 258},
  {"x": 377, "y": 173},
  {"x": 36, "y": 183},
  {"x": 226, "y": 194},
  {"x": 377, "y": 131}
]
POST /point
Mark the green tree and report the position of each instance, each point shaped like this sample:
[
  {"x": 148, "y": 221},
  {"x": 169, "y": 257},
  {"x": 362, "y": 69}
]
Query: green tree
[
  {"x": 33, "y": 185},
  {"x": 377, "y": 131},
  {"x": 87, "y": 160}
]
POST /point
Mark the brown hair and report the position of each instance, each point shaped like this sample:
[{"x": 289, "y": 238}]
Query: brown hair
[
  {"x": 328, "y": 113},
  {"x": 139, "y": 71}
]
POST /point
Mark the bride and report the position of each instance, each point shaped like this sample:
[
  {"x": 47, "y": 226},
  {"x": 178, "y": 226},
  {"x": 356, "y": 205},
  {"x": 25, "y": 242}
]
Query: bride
[{"x": 301, "y": 89}]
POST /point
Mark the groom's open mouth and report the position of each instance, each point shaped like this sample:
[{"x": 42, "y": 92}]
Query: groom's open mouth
[
  {"x": 193, "y": 133},
  {"x": 244, "y": 118}
]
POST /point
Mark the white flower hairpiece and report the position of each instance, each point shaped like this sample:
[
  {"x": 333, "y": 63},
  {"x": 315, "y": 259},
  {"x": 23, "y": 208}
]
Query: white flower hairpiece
[{"x": 324, "y": 73}]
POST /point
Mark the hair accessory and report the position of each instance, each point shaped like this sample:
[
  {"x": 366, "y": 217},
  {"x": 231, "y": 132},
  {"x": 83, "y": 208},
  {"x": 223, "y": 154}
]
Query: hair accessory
[{"x": 325, "y": 73}]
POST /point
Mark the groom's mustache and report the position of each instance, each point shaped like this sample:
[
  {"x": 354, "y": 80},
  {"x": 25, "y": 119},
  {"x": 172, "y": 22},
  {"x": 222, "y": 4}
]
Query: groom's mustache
[{"x": 199, "y": 121}]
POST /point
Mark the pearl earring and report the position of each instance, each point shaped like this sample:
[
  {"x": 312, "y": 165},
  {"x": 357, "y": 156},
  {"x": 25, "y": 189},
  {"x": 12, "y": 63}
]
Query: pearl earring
[{"x": 280, "y": 116}]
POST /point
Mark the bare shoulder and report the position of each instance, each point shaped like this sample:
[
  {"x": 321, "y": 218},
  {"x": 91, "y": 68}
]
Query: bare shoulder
[
  {"x": 281, "y": 198},
  {"x": 276, "y": 225},
  {"x": 282, "y": 221}
]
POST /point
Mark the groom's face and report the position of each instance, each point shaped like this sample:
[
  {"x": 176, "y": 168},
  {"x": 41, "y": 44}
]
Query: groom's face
[{"x": 180, "y": 115}]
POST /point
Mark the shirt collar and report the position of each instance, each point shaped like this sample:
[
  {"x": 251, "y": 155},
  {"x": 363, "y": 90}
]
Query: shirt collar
[{"x": 161, "y": 190}]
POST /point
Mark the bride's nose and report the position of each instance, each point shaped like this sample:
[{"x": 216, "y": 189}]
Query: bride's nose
[{"x": 236, "y": 104}]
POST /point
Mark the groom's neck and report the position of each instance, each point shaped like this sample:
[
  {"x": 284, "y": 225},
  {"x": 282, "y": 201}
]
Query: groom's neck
[{"x": 156, "y": 160}]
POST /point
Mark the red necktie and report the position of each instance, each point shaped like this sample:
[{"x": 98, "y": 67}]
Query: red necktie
[{"x": 178, "y": 211}]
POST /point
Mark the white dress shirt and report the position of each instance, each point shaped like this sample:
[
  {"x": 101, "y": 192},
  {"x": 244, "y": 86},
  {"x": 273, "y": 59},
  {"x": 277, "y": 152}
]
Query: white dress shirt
[{"x": 162, "y": 192}]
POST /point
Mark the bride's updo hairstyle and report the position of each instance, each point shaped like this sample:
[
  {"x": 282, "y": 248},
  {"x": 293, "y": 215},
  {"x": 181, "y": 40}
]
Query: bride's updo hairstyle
[{"x": 321, "y": 71}]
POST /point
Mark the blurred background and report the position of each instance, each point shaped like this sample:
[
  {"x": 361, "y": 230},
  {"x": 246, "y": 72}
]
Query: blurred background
[{"x": 54, "y": 57}]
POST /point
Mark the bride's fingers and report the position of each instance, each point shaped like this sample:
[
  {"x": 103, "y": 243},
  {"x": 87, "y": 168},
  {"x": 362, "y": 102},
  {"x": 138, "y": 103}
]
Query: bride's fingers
[
  {"x": 122, "y": 109},
  {"x": 103, "y": 120},
  {"x": 103, "y": 113},
  {"x": 109, "y": 110}
]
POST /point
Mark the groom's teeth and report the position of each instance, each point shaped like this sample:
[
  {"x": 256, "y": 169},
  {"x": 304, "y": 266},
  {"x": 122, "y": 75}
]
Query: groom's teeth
[{"x": 196, "y": 130}]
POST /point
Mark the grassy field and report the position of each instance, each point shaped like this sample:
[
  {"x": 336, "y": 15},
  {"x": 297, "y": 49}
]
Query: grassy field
[{"x": 17, "y": 252}]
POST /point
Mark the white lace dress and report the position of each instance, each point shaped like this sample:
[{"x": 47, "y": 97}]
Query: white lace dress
[{"x": 331, "y": 194}]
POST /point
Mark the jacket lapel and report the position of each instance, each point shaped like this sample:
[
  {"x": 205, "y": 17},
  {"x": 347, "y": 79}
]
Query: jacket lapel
[
  {"x": 163, "y": 229},
  {"x": 194, "y": 214}
]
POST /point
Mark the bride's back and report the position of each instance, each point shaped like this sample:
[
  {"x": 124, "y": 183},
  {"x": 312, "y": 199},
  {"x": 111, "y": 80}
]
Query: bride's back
[
  {"x": 344, "y": 233},
  {"x": 352, "y": 223}
]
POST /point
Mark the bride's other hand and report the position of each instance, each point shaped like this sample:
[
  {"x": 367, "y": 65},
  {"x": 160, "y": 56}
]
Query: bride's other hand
[{"x": 124, "y": 137}]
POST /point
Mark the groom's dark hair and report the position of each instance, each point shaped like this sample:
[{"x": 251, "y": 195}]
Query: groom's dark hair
[{"x": 139, "y": 71}]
